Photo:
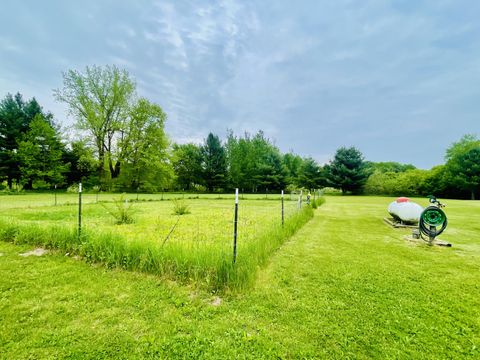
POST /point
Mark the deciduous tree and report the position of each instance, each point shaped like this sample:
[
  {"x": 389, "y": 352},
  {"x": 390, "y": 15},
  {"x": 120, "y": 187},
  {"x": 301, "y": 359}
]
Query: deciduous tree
[
  {"x": 463, "y": 164},
  {"x": 187, "y": 165},
  {"x": 100, "y": 99}
]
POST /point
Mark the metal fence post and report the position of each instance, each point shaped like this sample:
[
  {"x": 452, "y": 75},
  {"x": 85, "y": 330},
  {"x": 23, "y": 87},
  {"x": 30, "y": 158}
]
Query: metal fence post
[
  {"x": 283, "y": 211},
  {"x": 79, "y": 210},
  {"x": 235, "y": 226}
]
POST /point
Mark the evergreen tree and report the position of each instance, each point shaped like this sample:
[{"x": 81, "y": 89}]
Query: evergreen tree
[
  {"x": 347, "y": 171},
  {"x": 15, "y": 118},
  {"x": 310, "y": 175},
  {"x": 214, "y": 163},
  {"x": 293, "y": 164},
  {"x": 40, "y": 155}
]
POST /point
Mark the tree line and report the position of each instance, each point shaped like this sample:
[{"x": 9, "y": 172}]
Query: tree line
[{"x": 121, "y": 145}]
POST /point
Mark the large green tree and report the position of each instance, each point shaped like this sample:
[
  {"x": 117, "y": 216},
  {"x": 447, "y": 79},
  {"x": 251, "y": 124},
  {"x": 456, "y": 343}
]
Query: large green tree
[
  {"x": 144, "y": 148},
  {"x": 40, "y": 155},
  {"x": 83, "y": 164},
  {"x": 463, "y": 164},
  {"x": 255, "y": 163},
  {"x": 347, "y": 171},
  {"x": 293, "y": 164},
  {"x": 214, "y": 163},
  {"x": 187, "y": 165},
  {"x": 388, "y": 166},
  {"x": 15, "y": 118},
  {"x": 310, "y": 175},
  {"x": 100, "y": 99}
]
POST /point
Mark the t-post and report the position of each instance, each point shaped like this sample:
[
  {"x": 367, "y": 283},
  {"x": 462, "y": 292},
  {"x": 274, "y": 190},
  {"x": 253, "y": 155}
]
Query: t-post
[
  {"x": 283, "y": 211},
  {"x": 55, "y": 191},
  {"x": 235, "y": 225},
  {"x": 79, "y": 210}
]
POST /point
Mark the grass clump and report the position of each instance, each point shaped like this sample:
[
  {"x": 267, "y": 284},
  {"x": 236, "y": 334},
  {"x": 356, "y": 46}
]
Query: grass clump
[
  {"x": 319, "y": 202},
  {"x": 121, "y": 210},
  {"x": 180, "y": 207}
]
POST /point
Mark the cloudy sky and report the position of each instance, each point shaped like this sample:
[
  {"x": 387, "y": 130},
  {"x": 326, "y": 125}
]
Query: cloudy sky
[{"x": 400, "y": 80}]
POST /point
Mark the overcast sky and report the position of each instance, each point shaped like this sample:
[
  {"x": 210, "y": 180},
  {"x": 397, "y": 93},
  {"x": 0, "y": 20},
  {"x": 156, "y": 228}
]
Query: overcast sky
[{"x": 400, "y": 80}]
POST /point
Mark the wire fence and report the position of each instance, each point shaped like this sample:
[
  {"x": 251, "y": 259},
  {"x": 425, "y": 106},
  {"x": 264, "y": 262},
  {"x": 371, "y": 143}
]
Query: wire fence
[{"x": 210, "y": 219}]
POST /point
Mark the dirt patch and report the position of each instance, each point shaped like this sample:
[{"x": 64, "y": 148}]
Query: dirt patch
[
  {"x": 216, "y": 301},
  {"x": 36, "y": 252}
]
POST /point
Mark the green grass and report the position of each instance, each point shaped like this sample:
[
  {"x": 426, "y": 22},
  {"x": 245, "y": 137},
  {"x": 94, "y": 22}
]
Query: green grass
[
  {"x": 195, "y": 246},
  {"x": 344, "y": 286}
]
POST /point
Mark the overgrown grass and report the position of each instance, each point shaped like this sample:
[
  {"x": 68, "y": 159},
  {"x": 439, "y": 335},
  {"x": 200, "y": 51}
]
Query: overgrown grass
[
  {"x": 121, "y": 210},
  {"x": 209, "y": 264}
]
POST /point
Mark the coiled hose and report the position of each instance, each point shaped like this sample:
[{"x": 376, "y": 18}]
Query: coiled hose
[{"x": 431, "y": 218}]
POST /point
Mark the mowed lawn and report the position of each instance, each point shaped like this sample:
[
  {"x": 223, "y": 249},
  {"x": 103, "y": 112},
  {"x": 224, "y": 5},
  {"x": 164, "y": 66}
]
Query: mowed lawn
[{"x": 345, "y": 286}]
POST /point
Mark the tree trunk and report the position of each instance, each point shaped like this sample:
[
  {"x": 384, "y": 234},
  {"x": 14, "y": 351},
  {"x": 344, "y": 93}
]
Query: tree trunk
[
  {"x": 114, "y": 170},
  {"x": 101, "y": 170},
  {"x": 28, "y": 185},
  {"x": 9, "y": 182},
  {"x": 473, "y": 194}
]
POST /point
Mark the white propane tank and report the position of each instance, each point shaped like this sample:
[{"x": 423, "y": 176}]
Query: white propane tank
[{"x": 405, "y": 210}]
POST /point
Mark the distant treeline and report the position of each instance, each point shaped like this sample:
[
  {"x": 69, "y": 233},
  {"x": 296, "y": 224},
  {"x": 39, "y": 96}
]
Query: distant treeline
[{"x": 121, "y": 145}]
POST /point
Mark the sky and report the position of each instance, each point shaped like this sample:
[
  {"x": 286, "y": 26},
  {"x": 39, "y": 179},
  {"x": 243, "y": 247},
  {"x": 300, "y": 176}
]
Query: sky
[{"x": 399, "y": 80}]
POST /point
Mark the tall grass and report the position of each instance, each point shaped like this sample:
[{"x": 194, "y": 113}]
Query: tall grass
[
  {"x": 210, "y": 265},
  {"x": 122, "y": 210}
]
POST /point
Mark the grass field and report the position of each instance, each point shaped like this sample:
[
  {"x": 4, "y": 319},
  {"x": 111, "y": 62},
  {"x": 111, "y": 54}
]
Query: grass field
[{"x": 344, "y": 286}]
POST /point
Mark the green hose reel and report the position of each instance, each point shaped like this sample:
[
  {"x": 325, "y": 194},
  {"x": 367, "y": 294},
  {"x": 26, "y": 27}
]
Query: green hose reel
[
  {"x": 433, "y": 220},
  {"x": 433, "y": 216}
]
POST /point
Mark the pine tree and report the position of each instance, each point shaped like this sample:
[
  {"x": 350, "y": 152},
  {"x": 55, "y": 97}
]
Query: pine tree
[
  {"x": 347, "y": 171},
  {"x": 214, "y": 163}
]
